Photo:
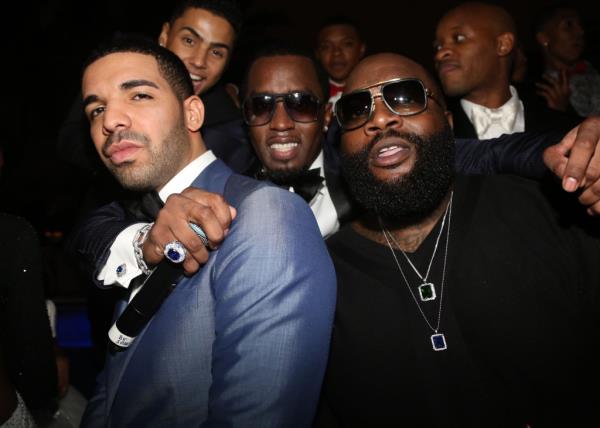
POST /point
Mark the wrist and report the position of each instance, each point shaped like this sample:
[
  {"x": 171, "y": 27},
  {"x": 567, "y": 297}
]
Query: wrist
[{"x": 138, "y": 248}]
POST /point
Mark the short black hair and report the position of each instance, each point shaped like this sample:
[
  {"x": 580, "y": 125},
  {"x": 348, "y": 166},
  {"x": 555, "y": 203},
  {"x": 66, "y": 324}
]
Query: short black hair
[
  {"x": 278, "y": 48},
  {"x": 548, "y": 13},
  {"x": 340, "y": 20},
  {"x": 229, "y": 10},
  {"x": 169, "y": 64}
]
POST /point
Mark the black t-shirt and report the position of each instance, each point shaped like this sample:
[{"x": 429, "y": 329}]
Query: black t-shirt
[{"x": 519, "y": 314}]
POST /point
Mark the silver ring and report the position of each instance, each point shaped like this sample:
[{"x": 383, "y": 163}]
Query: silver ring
[
  {"x": 198, "y": 230},
  {"x": 175, "y": 252}
]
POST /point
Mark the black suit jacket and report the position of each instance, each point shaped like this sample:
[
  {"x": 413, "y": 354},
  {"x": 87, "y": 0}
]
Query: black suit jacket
[{"x": 538, "y": 117}]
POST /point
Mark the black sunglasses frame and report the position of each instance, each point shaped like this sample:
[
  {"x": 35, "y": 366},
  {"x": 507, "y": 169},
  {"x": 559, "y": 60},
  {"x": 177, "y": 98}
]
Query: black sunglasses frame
[
  {"x": 428, "y": 94},
  {"x": 288, "y": 105}
]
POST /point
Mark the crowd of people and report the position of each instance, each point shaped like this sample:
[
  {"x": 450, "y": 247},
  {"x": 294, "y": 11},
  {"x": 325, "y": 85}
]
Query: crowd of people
[{"x": 353, "y": 240}]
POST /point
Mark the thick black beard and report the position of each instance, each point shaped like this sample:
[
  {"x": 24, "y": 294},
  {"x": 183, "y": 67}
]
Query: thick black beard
[
  {"x": 411, "y": 198},
  {"x": 284, "y": 177}
]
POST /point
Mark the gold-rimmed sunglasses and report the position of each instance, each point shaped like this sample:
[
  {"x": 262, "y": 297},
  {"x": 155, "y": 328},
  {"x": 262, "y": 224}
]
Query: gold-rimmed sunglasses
[{"x": 404, "y": 97}]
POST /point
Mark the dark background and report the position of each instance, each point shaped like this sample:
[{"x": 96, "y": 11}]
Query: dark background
[{"x": 46, "y": 42}]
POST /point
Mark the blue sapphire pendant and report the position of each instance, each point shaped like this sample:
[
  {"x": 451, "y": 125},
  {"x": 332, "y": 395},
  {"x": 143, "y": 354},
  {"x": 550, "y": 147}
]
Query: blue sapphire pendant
[{"x": 439, "y": 342}]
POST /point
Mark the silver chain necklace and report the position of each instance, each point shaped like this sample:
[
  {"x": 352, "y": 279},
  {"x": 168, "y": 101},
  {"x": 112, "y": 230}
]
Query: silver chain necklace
[
  {"x": 438, "y": 340},
  {"x": 426, "y": 289}
]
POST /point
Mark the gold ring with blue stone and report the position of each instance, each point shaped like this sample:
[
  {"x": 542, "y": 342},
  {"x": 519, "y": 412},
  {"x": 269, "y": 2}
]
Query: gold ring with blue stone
[{"x": 175, "y": 252}]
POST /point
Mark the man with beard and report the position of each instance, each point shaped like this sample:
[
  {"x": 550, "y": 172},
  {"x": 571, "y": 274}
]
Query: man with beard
[
  {"x": 243, "y": 342},
  {"x": 462, "y": 301}
]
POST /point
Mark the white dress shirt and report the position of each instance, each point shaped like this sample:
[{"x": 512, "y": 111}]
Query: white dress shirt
[
  {"x": 322, "y": 204},
  {"x": 493, "y": 122},
  {"x": 122, "y": 257}
]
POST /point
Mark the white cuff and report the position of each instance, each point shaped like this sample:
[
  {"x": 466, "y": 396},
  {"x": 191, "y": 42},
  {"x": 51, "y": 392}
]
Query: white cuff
[{"x": 121, "y": 266}]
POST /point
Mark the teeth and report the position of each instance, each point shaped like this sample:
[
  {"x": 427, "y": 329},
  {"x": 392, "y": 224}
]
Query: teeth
[
  {"x": 387, "y": 149},
  {"x": 283, "y": 146},
  {"x": 194, "y": 77}
]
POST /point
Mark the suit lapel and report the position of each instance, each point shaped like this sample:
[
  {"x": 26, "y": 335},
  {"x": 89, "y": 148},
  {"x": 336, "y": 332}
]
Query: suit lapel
[
  {"x": 335, "y": 184},
  {"x": 463, "y": 128},
  {"x": 213, "y": 179}
]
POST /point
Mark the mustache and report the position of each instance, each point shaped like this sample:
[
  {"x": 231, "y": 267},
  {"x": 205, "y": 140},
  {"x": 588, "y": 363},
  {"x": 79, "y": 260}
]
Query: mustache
[
  {"x": 408, "y": 136},
  {"x": 123, "y": 135}
]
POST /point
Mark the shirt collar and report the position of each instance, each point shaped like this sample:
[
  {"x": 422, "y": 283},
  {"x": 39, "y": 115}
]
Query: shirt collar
[
  {"x": 187, "y": 175},
  {"x": 511, "y": 104}
]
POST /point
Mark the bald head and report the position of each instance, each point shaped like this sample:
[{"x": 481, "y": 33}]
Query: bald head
[
  {"x": 474, "y": 45},
  {"x": 386, "y": 66},
  {"x": 493, "y": 17}
]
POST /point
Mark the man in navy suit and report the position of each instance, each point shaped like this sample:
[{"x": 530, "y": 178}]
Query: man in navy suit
[{"x": 244, "y": 341}]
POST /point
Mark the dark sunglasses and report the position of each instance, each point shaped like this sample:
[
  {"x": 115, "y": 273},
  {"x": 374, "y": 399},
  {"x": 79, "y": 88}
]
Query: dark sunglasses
[
  {"x": 300, "y": 107},
  {"x": 404, "y": 97}
]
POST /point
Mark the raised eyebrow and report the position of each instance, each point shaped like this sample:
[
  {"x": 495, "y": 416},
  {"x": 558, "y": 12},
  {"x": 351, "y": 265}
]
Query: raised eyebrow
[
  {"x": 220, "y": 45},
  {"x": 212, "y": 45},
  {"x": 89, "y": 99},
  {"x": 138, "y": 82},
  {"x": 123, "y": 86}
]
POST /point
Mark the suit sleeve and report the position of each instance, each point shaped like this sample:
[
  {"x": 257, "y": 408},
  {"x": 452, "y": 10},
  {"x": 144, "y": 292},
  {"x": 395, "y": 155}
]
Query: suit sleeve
[
  {"x": 519, "y": 154},
  {"x": 91, "y": 239},
  {"x": 274, "y": 294}
]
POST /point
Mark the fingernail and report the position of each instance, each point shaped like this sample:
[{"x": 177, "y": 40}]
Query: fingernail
[
  {"x": 570, "y": 184},
  {"x": 226, "y": 231}
]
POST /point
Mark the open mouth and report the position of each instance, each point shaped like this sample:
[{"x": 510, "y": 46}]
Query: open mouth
[
  {"x": 284, "y": 150},
  {"x": 390, "y": 153}
]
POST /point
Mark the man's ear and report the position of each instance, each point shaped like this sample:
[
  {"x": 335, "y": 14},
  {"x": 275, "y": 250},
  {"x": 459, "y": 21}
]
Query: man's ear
[
  {"x": 163, "y": 38},
  {"x": 505, "y": 44},
  {"x": 449, "y": 118},
  {"x": 193, "y": 111},
  {"x": 363, "y": 49},
  {"x": 327, "y": 116}
]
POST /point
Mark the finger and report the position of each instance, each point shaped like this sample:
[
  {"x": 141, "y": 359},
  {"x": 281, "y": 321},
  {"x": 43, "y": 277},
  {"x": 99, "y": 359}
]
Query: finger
[
  {"x": 594, "y": 210},
  {"x": 206, "y": 218},
  {"x": 153, "y": 248},
  {"x": 190, "y": 266},
  {"x": 555, "y": 157},
  {"x": 583, "y": 151},
  {"x": 591, "y": 195},
  {"x": 222, "y": 210}
]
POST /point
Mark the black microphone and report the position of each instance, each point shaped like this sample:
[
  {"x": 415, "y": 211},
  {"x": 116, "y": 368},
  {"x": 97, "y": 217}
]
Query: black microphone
[
  {"x": 155, "y": 289},
  {"x": 144, "y": 305}
]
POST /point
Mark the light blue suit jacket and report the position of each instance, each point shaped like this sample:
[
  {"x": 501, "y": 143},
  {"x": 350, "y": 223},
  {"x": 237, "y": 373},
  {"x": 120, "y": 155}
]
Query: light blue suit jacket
[{"x": 243, "y": 342}]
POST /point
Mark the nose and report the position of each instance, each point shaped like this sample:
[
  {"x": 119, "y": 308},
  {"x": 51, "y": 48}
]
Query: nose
[
  {"x": 199, "y": 56},
  {"x": 442, "y": 52},
  {"x": 281, "y": 120},
  {"x": 115, "y": 119},
  {"x": 382, "y": 117}
]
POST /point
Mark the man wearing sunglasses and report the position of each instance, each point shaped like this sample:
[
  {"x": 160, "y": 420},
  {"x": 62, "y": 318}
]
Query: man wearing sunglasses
[
  {"x": 462, "y": 301},
  {"x": 285, "y": 114}
]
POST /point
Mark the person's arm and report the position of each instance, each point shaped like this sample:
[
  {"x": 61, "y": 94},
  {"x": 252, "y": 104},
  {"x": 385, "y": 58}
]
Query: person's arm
[
  {"x": 104, "y": 240},
  {"x": 519, "y": 154},
  {"x": 576, "y": 161},
  {"x": 274, "y": 303},
  {"x": 90, "y": 241}
]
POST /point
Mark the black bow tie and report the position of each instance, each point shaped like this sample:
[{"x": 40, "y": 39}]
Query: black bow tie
[
  {"x": 305, "y": 185},
  {"x": 308, "y": 184},
  {"x": 145, "y": 208}
]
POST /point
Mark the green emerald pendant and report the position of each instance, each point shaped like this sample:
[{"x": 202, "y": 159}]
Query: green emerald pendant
[{"x": 427, "y": 292}]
